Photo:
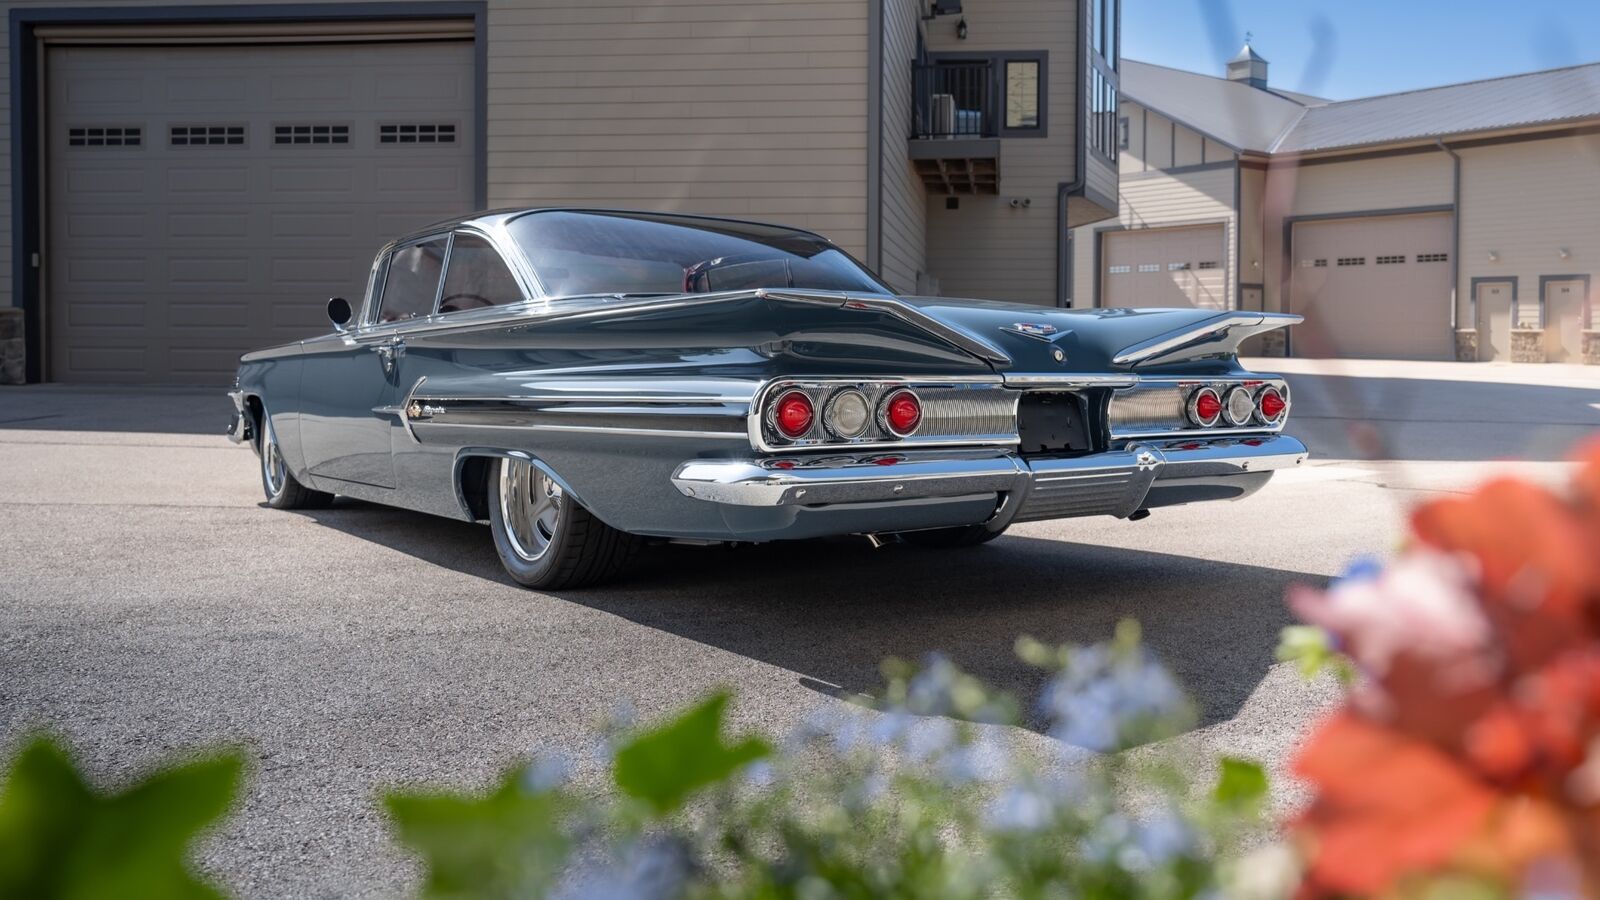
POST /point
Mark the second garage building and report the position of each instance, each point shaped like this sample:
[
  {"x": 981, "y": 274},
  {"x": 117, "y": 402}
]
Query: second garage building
[{"x": 1459, "y": 222}]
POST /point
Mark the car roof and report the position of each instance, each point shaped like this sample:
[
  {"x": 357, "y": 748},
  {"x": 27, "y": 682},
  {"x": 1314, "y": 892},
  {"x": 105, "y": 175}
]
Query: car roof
[{"x": 493, "y": 218}]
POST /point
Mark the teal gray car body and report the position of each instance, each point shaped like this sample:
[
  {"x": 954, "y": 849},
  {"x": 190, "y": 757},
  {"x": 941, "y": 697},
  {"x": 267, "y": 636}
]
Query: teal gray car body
[{"x": 652, "y": 411}]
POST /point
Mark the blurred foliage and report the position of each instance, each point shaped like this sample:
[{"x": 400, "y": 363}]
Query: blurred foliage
[
  {"x": 926, "y": 790},
  {"x": 60, "y": 838}
]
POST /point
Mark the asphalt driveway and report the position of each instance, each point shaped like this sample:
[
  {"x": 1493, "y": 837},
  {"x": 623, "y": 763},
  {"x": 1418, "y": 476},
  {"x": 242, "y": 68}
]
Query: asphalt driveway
[{"x": 149, "y": 603}]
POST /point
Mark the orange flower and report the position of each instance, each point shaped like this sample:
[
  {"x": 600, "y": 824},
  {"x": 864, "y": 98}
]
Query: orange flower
[{"x": 1387, "y": 806}]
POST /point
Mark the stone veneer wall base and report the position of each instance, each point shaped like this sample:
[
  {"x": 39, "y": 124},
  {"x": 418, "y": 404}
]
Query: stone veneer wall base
[{"x": 13, "y": 351}]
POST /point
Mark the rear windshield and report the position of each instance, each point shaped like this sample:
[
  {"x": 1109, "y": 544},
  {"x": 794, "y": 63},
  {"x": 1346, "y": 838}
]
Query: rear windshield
[{"x": 577, "y": 253}]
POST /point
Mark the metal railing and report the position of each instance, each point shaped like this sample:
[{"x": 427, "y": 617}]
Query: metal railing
[{"x": 953, "y": 99}]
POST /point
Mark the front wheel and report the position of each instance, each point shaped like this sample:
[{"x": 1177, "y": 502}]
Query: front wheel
[
  {"x": 277, "y": 482},
  {"x": 544, "y": 538},
  {"x": 951, "y": 538}
]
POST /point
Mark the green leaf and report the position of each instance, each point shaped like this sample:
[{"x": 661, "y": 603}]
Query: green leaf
[
  {"x": 1311, "y": 649},
  {"x": 666, "y": 764},
  {"x": 508, "y": 843},
  {"x": 1242, "y": 784},
  {"x": 59, "y": 838}
]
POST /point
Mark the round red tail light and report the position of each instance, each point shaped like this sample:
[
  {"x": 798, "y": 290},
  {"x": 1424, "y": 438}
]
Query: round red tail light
[
  {"x": 901, "y": 413},
  {"x": 1270, "y": 405},
  {"x": 792, "y": 414},
  {"x": 1205, "y": 407}
]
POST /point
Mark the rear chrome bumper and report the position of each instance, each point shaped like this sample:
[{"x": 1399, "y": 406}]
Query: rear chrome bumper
[{"x": 1116, "y": 483}]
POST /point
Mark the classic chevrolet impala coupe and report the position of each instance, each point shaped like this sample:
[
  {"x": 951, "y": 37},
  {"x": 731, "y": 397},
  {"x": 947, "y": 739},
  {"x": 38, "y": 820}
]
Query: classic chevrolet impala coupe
[{"x": 583, "y": 380}]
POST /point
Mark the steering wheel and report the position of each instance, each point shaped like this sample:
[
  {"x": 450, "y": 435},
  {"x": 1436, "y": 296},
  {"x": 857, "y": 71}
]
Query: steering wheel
[{"x": 464, "y": 301}]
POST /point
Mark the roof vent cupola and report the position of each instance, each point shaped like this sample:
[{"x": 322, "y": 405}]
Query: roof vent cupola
[{"x": 1248, "y": 67}]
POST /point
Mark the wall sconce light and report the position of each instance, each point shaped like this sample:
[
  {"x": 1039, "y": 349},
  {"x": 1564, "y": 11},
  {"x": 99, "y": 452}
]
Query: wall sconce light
[
  {"x": 1565, "y": 252},
  {"x": 1255, "y": 264},
  {"x": 961, "y": 29},
  {"x": 1493, "y": 256}
]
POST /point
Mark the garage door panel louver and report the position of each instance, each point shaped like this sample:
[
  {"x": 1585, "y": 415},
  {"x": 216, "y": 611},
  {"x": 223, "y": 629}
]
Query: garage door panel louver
[
  {"x": 311, "y": 134},
  {"x": 417, "y": 133},
  {"x": 105, "y": 136},
  {"x": 206, "y": 135}
]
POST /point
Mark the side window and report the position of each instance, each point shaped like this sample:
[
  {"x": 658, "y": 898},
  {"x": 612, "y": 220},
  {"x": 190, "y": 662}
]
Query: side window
[
  {"x": 369, "y": 302},
  {"x": 413, "y": 280},
  {"x": 477, "y": 277}
]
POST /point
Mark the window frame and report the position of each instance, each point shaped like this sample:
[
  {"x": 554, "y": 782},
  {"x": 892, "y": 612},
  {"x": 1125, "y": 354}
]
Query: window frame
[
  {"x": 998, "y": 60},
  {"x": 500, "y": 254},
  {"x": 376, "y": 305}
]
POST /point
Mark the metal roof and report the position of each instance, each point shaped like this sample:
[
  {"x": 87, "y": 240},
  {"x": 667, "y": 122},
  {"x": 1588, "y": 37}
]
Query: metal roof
[
  {"x": 1536, "y": 98},
  {"x": 1232, "y": 112},
  {"x": 1274, "y": 121},
  {"x": 1248, "y": 54}
]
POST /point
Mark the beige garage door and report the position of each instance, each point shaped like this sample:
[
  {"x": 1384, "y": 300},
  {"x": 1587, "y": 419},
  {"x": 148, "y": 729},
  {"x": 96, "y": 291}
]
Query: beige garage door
[
  {"x": 1166, "y": 267},
  {"x": 207, "y": 200},
  {"x": 1377, "y": 287}
]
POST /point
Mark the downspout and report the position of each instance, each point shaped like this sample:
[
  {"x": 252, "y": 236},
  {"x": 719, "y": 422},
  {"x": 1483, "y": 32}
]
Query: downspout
[
  {"x": 1455, "y": 238},
  {"x": 1065, "y": 189}
]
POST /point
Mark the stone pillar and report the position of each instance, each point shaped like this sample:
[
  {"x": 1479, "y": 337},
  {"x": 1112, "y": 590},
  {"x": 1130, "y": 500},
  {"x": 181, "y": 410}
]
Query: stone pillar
[
  {"x": 13, "y": 350},
  {"x": 1591, "y": 348},
  {"x": 1467, "y": 345},
  {"x": 1527, "y": 345}
]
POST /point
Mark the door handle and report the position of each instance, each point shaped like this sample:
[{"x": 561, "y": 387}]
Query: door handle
[{"x": 388, "y": 353}]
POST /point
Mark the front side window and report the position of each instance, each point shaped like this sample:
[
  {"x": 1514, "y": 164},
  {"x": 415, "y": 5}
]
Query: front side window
[
  {"x": 413, "y": 280},
  {"x": 1022, "y": 93},
  {"x": 588, "y": 253},
  {"x": 477, "y": 277}
]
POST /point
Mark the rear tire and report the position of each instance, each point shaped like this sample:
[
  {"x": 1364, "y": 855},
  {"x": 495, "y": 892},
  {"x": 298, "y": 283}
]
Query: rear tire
[
  {"x": 545, "y": 539},
  {"x": 951, "y": 538},
  {"x": 277, "y": 482}
]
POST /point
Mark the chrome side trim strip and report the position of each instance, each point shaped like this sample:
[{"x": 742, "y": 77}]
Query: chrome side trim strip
[{"x": 589, "y": 429}]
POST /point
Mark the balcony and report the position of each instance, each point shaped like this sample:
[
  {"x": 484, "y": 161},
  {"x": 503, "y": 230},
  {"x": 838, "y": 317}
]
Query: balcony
[{"x": 955, "y": 144}]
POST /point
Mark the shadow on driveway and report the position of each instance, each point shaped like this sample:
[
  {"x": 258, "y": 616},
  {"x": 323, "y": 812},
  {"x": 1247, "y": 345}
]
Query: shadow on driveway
[{"x": 831, "y": 611}]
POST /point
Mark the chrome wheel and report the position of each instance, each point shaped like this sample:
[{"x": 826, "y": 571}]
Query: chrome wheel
[
  {"x": 274, "y": 472},
  {"x": 530, "y": 506}
]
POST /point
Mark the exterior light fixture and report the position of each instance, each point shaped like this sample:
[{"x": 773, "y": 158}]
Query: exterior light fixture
[
  {"x": 1566, "y": 253},
  {"x": 961, "y": 29},
  {"x": 1493, "y": 256}
]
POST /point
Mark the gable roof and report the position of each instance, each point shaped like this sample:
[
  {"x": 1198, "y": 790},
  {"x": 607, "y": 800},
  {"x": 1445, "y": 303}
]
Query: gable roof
[
  {"x": 1234, "y": 113},
  {"x": 1273, "y": 121}
]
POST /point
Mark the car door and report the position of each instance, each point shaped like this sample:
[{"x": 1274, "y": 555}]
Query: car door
[
  {"x": 477, "y": 280},
  {"x": 349, "y": 391}
]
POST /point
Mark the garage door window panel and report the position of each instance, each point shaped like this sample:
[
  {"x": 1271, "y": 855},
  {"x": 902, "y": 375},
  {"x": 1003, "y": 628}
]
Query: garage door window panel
[
  {"x": 412, "y": 285},
  {"x": 477, "y": 277},
  {"x": 310, "y": 134},
  {"x": 105, "y": 136},
  {"x": 206, "y": 136}
]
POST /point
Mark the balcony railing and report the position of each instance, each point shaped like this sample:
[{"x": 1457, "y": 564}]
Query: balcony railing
[{"x": 954, "y": 100}]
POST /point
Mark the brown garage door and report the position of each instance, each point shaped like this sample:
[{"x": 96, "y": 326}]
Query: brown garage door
[
  {"x": 1376, "y": 287},
  {"x": 207, "y": 200},
  {"x": 1166, "y": 267}
]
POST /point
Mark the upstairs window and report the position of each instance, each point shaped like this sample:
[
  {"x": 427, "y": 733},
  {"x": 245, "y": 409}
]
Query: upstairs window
[{"x": 1022, "y": 80}]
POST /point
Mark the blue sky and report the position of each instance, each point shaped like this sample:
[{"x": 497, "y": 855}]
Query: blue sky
[{"x": 1355, "y": 48}]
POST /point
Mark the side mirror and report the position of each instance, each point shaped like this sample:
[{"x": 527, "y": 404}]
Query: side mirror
[{"x": 339, "y": 313}]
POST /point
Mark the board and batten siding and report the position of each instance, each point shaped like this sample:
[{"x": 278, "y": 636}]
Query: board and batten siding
[
  {"x": 1527, "y": 202},
  {"x": 1160, "y": 200},
  {"x": 987, "y": 248},
  {"x": 1157, "y": 142},
  {"x": 748, "y": 108},
  {"x": 1357, "y": 186},
  {"x": 904, "y": 217}
]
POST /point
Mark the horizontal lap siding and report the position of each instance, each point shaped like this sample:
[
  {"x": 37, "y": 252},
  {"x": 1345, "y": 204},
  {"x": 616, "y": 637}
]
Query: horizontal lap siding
[
  {"x": 986, "y": 248},
  {"x": 753, "y": 108},
  {"x": 1395, "y": 182},
  {"x": 904, "y": 222},
  {"x": 1159, "y": 200},
  {"x": 1526, "y": 202}
]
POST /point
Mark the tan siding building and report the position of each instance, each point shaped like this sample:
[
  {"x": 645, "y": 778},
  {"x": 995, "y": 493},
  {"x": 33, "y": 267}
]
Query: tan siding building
[
  {"x": 843, "y": 117},
  {"x": 1455, "y": 222}
]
